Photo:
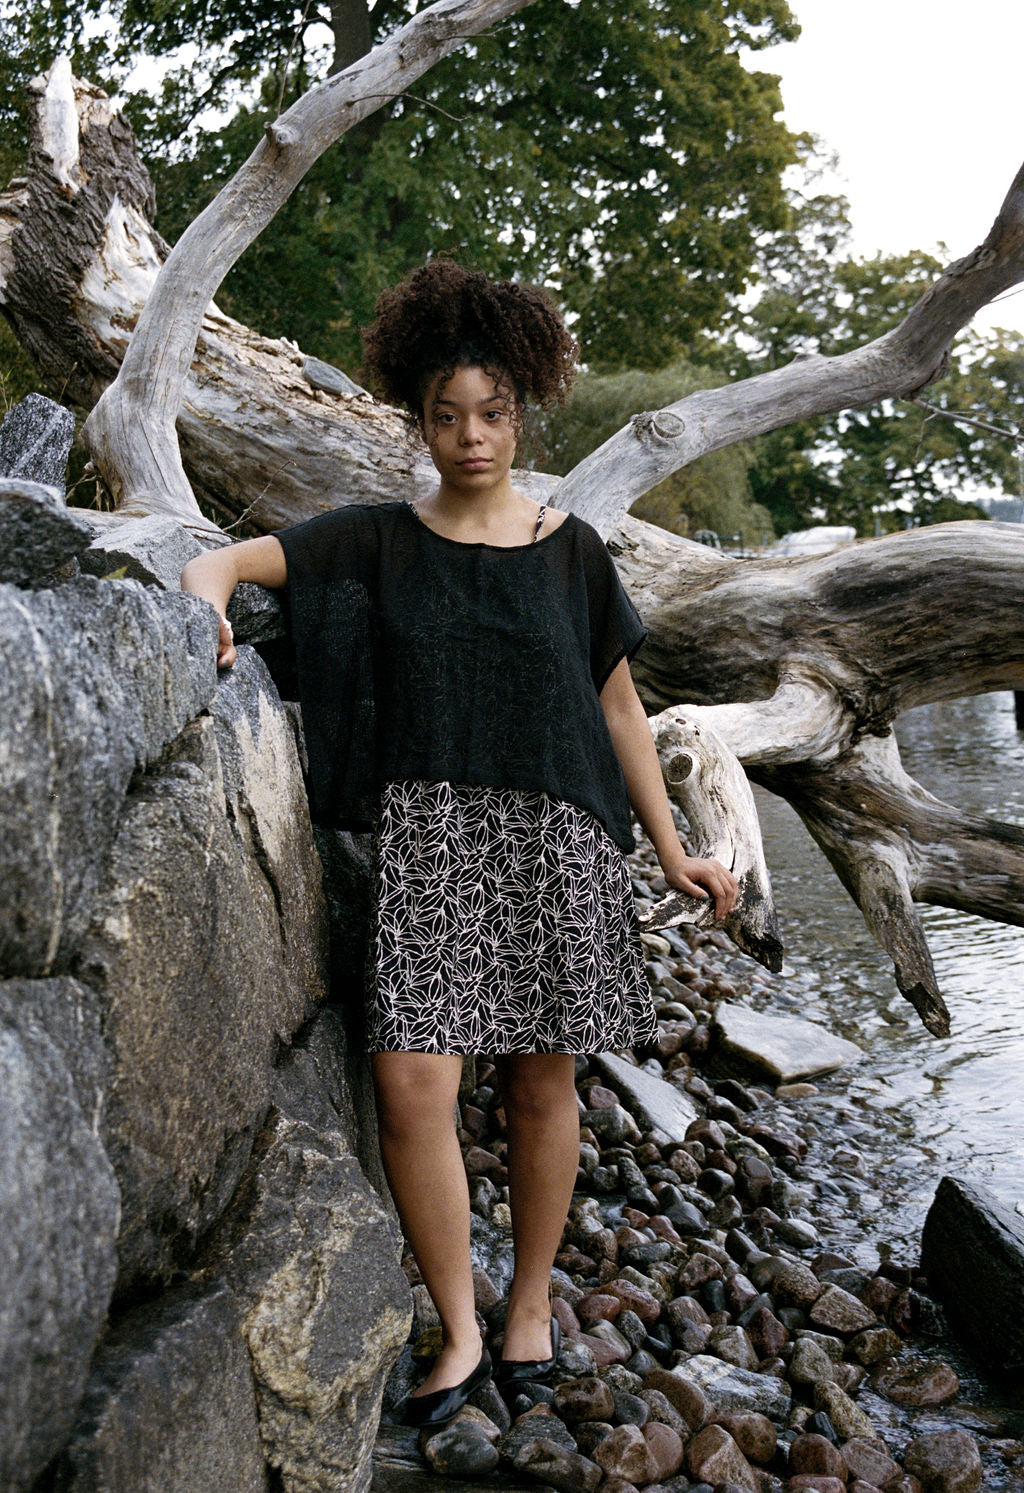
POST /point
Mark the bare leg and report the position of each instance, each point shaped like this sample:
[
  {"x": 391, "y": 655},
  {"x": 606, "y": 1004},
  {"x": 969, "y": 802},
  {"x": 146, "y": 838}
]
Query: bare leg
[
  {"x": 543, "y": 1154},
  {"x": 416, "y": 1093}
]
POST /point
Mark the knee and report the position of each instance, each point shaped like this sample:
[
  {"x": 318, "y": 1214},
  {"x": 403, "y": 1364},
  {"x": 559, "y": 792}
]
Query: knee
[
  {"x": 413, "y": 1098},
  {"x": 535, "y": 1092}
]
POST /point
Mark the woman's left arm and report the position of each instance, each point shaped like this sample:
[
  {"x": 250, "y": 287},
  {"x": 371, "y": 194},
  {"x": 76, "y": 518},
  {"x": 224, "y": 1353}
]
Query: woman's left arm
[{"x": 635, "y": 749}]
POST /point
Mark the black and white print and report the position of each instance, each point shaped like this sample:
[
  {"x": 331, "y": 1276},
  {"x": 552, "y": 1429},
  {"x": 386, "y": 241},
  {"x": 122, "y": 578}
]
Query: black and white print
[{"x": 504, "y": 923}]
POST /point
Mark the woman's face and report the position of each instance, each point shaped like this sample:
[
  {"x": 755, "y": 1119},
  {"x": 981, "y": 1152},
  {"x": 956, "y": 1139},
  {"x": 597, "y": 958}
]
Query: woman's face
[{"x": 471, "y": 425}]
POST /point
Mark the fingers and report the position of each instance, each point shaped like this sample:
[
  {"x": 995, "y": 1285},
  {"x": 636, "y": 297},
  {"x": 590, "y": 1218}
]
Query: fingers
[
  {"x": 226, "y": 651},
  {"x": 702, "y": 878}
]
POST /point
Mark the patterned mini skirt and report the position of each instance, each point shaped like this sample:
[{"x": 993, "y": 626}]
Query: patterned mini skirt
[{"x": 504, "y": 922}]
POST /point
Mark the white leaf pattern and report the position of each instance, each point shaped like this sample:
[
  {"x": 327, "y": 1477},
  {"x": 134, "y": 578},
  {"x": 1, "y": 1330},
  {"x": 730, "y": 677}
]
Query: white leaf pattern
[{"x": 504, "y": 923}]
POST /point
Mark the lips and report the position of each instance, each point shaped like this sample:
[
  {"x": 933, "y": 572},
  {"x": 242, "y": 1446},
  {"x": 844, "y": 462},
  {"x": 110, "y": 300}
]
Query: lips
[{"x": 475, "y": 464}]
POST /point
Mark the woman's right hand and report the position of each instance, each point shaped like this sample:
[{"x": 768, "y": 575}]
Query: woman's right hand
[{"x": 226, "y": 650}]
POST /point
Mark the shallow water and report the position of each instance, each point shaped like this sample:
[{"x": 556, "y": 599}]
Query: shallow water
[{"x": 923, "y": 1107}]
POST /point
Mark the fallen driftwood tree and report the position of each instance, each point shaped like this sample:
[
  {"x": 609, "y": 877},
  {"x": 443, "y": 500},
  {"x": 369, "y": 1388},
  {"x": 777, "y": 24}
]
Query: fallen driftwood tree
[{"x": 799, "y": 666}]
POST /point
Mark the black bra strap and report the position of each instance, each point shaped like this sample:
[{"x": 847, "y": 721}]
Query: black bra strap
[{"x": 540, "y": 521}]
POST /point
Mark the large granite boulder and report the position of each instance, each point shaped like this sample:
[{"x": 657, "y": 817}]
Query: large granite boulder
[
  {"x": 59, "y": 1204},
  {"x": 207, "y": 948},
  {"x": 313, "y": 1254},
  {"x": 96, "y": 680},
  {"x": 35, "y": 439},
  {"x": 170, "y": 1406},
  {"x": 39, "y": 534}
]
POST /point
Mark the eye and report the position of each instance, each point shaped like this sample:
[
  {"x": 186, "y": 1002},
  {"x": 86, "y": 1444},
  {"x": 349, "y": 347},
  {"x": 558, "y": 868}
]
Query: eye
[{"x": 494, "y": 415}]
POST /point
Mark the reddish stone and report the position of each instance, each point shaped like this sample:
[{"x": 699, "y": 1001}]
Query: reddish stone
[
  {"x": 904, "y": 1484},
  {"x": 584, "y": 1399},
  {"x": 684, "y": 1164},
  {"x": 599, "y": 1306},
  {"x": 598, "y": 1097},
  {"x": 857, "y": 1486},
  {"x": 869, "y": 1462},
  {"x": 664, "y": 1229},
  {"x": 684, "y": 1395},
  {"x": 625, "y": 1453},
  {"x": 767, "y": 1333},
  {"x": 918, "y": 1382},
  {"x": 665, "y": 1446},
  {"x": 604, "y": 1353},
  {"x": 636, "y": 1299},
  {"x": 574, "y": 1262},
  {"x": 473, "y": 1120},
  {"x": 685, "y": 1308},
  {"x": 816, "y": 1455},
  {"x": 754, "y": 1434},
  {"x": 565, "y": 1317},
  {"x": 879, "y": 1294},
  {"x": 708, "y": 1133},
  {"x": 481, "y": 1163},
  {"x": 636, "y": 1220},
  {"x": 626, "y": 1236},
  {"x": 754, "y": 1179},
  {"x": 713, "y": 1457},
  {"x": 811, "y": 1482},
  {"x": 698, "y": 1269}
]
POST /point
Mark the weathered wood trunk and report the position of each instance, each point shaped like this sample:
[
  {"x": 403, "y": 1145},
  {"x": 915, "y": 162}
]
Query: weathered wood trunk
[{"x": 799, "y": 666}]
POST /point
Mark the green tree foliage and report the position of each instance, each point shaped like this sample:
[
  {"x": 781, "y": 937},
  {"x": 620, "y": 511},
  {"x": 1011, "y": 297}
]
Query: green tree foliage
[
  {"x": 622, "y": 154},
  {"x": 712, "y": 494}
]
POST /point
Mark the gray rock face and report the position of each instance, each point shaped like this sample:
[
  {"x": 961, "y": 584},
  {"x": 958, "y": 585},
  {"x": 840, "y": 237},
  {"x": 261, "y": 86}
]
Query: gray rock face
[
  {"x": 653, "y": 1103},
  {"x": 192, "y": 1044},
  {"x": 58, "y": 1201},
  {"x": 170, "y": 1406},
  {"x": 35, "y": 439},
  {"x": 38, "y": 533},
  {"x": 96, "y": 680},
  {"x": 786, "y": 1047},
  {"x": 153, "y": 550},
  {"x": 313, "y": 1255},
  {"x": 972, "y": 1250}
]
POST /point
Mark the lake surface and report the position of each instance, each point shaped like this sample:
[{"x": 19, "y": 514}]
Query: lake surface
[{"x": 921, "y": 1106}]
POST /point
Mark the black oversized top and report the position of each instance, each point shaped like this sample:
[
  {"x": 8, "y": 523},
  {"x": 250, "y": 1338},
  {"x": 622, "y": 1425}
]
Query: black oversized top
[{"x": 421, "y": 657}]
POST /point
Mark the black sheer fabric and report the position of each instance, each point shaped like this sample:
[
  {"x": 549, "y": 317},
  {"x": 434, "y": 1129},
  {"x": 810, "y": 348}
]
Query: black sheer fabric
[{"x": 420, "y": 657}]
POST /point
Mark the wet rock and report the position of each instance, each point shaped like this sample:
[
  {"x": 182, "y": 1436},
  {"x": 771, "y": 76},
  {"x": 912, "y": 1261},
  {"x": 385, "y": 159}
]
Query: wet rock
[
  {"x": 599, "y": 1306},
  {"x": 713, "y": 1457},
  {"x": 754, "y": 1434},
  {"x": 874, "y": 1345},
  {"x": 636, "y": 1299},
  {"x": 972, "y": 1250},
  {"x": 785, "y": 1047},
  {"x": 583, "y": 1399},
  {"x": 810, "y": 1363},
  {"x": 766, "y": 1332},
  {"x": 630, "y": 1409},
  {"x": 869, "y": 1461},
  {"x": 916, "y": 1381},
  {"x": 661, "y": 1409},
  {"x": 845, "y": 1416},
  {"x": 463, "y": 1448},
  {"x": 794, "y": 1284},
  {"x": 558, "y": 1466},
  {"x": 626, "y": 1454},
  {"x": 612, "y": 1127},
  {"x": 816, "y": 1454},
  {"x": 815, "y": 1482},
  {"x": 730, "y": 1388},
  {"x": 798, "y": 1232},
  {"x": 945, "y": 1462},
  {"x": 589, "y": 1434},
  {"x": 836, "y": 1310}
]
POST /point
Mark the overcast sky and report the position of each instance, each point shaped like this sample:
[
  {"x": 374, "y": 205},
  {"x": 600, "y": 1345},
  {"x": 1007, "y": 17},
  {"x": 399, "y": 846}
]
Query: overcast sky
[{"x": 923, "y": 102}]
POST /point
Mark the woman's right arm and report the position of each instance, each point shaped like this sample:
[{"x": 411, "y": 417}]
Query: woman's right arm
[{"x": 215, "y": 574}]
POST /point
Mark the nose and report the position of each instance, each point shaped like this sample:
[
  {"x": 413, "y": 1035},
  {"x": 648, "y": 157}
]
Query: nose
[{"x": 472, "y": 432}]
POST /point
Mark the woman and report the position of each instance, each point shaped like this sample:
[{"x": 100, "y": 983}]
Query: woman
[{"x": 465, "y": 687}]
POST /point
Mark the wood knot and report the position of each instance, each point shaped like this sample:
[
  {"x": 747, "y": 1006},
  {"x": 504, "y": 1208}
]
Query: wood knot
[
  {"x": 661, "y": 423},
  {"x": 679, "y": 767}
]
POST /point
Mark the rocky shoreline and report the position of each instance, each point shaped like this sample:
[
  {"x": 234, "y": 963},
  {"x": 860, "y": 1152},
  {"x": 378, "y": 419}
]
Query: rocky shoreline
[{"x": 724, "y": 1328}]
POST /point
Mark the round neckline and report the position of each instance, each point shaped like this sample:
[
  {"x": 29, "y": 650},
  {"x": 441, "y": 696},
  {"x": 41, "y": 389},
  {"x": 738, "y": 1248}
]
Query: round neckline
[{"x": 480, "y": 544}]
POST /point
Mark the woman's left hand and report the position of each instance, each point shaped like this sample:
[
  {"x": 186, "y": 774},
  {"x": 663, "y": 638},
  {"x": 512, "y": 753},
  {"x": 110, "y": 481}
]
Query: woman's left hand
[{"x": 702, "y": 878}]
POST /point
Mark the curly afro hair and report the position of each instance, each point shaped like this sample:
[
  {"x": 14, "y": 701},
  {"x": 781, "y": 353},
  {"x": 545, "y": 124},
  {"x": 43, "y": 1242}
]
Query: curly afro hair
[{"x": 442, "y": 317}]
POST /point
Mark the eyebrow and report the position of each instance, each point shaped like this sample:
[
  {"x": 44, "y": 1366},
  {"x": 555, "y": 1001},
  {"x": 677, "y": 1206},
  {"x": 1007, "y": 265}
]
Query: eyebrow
[{"x": 491, "y": 399}]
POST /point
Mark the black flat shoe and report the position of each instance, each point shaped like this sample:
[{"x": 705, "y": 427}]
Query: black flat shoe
[
  {"x": 444, "y": 1404},
  {"x": 511, "y": 1372}
]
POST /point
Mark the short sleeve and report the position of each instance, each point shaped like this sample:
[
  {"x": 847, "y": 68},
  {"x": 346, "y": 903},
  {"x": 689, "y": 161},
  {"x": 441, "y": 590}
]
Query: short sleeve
[
  {"x": 331, "y": 564},
  {"x": 616, "y": 631}
]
